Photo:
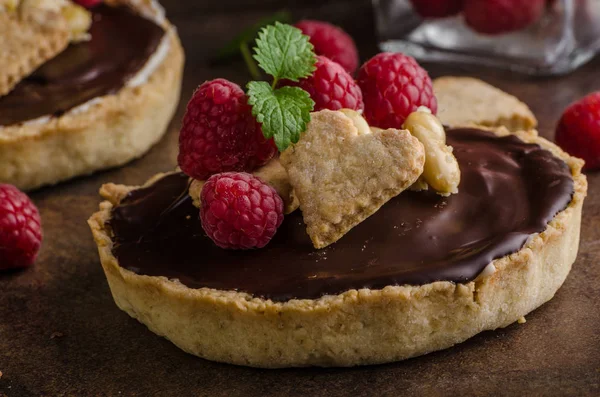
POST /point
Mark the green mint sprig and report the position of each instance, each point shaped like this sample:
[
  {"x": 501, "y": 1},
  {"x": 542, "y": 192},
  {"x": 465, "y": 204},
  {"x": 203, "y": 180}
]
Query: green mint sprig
[
  {"x": 283, "y": 52},
  {"x": 240, "y": 45}
]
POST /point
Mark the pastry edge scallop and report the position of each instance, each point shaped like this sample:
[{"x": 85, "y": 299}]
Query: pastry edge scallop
[
  {"x": 356, "y": 327},
  {"x": 130, "y": 122}
]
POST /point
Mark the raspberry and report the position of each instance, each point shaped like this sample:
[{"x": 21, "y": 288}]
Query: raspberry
[
  {"x": 437, "y": 8},
  {"x": 220, "y": 134},
  {"x": 393, "y": 86},
  {"x": 502, "y": 16},
  {"x": 20, "y": 229},
  {"x": 332, "y": 42},
  {"x": 88, "y": 3},
  {"x": 578, "y": 131},
  {"x": 239, "y": 211},
  {"x": 331, "y": 87}
]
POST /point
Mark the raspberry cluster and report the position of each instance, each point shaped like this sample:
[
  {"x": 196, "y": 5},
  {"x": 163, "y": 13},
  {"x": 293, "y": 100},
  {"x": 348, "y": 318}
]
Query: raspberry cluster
[{"x": 222, "y": 142}]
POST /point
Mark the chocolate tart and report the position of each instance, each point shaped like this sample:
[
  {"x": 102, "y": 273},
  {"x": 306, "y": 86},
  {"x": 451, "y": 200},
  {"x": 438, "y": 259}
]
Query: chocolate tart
[
  {"x": 421, "y": 274},
  {"x": 99, "y": 103}
]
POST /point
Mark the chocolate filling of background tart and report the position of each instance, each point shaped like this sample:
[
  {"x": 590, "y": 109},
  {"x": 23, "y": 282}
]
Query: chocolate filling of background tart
[
  {"x": 509, "y": 191},
  {"x": 121, "y": 44}
]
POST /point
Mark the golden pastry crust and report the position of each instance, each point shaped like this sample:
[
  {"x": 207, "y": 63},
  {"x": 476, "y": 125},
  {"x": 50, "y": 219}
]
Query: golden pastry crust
[
  {"x": 112, "y": 131},
  {"x": 355, "y": 327},
  {"x": 342, "y": 175},
  {"x": 468, "y": 101}
]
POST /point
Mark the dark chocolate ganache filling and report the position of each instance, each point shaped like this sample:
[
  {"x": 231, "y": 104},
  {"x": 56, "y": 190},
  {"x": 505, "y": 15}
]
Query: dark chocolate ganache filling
[
  {"x": 509, "y": 190},
  {"x": 121, "y": 44}
]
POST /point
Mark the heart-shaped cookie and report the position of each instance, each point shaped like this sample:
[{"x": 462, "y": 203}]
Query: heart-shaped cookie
[{"x": 342, "y": 172}]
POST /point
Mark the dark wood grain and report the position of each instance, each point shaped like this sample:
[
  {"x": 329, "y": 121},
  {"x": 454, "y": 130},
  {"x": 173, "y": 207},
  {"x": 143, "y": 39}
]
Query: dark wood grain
[{"x": 61, "y": 333}]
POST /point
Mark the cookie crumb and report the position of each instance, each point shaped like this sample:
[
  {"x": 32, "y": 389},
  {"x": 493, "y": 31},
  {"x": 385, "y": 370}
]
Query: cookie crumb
[
  {"x": 522, "y": 320},
  {"x": 0, "y": 374},
  {"x": 56, "y": 335}
]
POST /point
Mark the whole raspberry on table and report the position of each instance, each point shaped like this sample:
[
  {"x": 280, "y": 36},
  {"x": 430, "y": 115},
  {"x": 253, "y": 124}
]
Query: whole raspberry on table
[
  {"x": 578, "y": 131},
  {"x": 331, "y": 87},
  {"x": 20, "y": 229},
  {"x": 332, "y": 42},
  {"x": 502, "y": 16},
  {"x": 393, "y": 86},
  {"x": 220, "y": 134},
  {"x": 88, "y": 3},
  {"x": 437, "y": 8},
  {"x": 239, "y": 211}
]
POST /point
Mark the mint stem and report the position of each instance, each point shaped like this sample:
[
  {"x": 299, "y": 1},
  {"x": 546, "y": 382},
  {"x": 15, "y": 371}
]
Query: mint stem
[
  {"x": 250, "y": 64},
  {"x": 275, "y": 81}
]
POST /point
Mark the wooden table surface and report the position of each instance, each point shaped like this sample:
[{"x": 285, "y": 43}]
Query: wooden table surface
[{"x": 61, "y": 333}]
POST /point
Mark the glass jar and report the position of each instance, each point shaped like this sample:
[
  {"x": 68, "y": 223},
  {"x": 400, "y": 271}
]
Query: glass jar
[{"x": 566, "y": 35}]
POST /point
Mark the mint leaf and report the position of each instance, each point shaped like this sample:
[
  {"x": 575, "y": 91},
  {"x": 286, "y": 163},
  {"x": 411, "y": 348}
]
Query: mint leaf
[
  {"x": 284, "y": 113},
  {"x": 284, "y": 52}
]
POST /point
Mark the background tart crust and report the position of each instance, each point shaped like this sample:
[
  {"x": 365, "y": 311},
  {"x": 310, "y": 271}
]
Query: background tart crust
[
  {"x": 355, "y": 327},
  {"x": 110, "y": 131},
  {"x": 468, "y": 101}
]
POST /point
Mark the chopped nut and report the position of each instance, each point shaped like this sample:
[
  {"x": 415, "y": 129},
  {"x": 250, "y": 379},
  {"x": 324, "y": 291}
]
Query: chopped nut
[
  {"x": 441, "y": 170},
  {"x": 359, "y": 121},
  {"x": 79, "y": 20}
]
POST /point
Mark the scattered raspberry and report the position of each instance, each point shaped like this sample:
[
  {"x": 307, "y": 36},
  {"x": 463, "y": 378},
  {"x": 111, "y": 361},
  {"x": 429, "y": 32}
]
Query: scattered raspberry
[
  {"x": 502, "y": 16},
  {"x": 239, "y": 211},
  {"x": 578, "y": 130},
  {"x": 20, "y": 229},
  {"x": 331, "y": 87},
  {"x": 88, "y": 3},
  {"x": 332, "y": 42},
  {"x": 220, "y": 134},
  {"x": 393, "y": 86},
  {"x": 437, "y": 8}
]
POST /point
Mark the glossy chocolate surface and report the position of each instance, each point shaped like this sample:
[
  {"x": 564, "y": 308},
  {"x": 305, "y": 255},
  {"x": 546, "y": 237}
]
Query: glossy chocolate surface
[
  {"x": 121, "y": 44},
  {"x": 509, "y": 190}
]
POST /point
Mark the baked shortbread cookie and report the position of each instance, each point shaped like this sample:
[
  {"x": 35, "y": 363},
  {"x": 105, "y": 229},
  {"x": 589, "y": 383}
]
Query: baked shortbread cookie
[
  {"x": 33, "y": 32},
  {"x": 343, "y": 172},
  {"x": 60, "y": 122},
  {"x": 466, "y": 101},
  {"x": 421, "y": 274}
]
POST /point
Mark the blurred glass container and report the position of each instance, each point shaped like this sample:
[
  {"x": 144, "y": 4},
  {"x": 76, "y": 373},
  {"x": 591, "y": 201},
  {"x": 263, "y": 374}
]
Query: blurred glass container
[{"x": 566, "y": 36}]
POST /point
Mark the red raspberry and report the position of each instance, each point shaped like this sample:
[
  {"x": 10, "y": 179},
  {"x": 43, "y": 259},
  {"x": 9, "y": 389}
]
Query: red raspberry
[
  {"x": 220, "y": 134},
  {"x": 332, "y": 42},
  {"x": 578, "y": 131},
  {"x": 437, "y": 8},
  {"x": 331, "y": 87},
  {"x": 393, "y": 86},
  {"x": 88, "y": 3},
  {"x": 20, "y": 229},
  {"x": 502, "y": 16},
  {"x": 239, "y": 211}
]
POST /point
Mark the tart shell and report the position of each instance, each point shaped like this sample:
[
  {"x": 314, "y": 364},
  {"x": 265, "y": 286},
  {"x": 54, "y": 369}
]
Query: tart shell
[
  {"x": 356, "y": 327},
  {"x": 110, "y": 132}
]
